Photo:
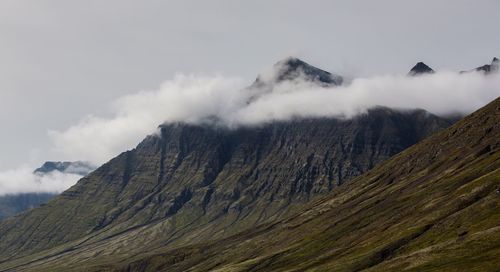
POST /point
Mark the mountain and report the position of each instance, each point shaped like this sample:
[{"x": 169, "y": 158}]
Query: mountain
[
  {"x": 13, "y": 204},
  {"x": 433, "y": 207},
  {"x": 194, "y": 183},
  {"x": 419, "y": 69}
]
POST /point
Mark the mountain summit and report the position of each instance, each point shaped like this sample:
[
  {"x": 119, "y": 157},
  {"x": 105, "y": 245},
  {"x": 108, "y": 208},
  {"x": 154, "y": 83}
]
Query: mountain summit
[
  {"x": 293, "y": 68},
  {"x": 420, "y": 68}
]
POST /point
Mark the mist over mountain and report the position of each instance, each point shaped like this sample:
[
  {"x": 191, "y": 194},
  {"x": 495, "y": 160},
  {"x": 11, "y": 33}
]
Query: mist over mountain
[
  {"x": 30, "y": 190},
  {"x": 308, "y": 92}
]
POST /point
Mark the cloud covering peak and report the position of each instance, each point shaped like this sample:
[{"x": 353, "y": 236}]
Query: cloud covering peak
[{"x": 225, "y": 101}]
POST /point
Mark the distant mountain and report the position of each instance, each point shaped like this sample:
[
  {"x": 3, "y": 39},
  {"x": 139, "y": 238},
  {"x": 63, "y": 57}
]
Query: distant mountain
[
  {"x": 487, "y": 69},
  {"x": 420, "y": 68},
  {"x": 195, "y": 183},
  {"x": 13, "y": 204},
  {"x": 77, "y": 167}
]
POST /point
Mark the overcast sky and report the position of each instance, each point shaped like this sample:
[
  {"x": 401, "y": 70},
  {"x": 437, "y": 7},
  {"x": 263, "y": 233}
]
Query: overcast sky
[{"x": 62, "y": 60}]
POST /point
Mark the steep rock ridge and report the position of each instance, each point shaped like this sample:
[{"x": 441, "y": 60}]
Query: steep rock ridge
[
  {"x": 195, "y": 183},
  {"x": 433, "y": 207}
]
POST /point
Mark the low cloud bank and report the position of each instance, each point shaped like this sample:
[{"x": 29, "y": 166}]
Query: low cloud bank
[
  {"x": 202, "y": 99},
  {"x": 23, "y": 180}
]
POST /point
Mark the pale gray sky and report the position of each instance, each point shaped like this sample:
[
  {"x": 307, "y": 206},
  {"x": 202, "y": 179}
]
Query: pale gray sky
[{"x": 61, "y": 60}]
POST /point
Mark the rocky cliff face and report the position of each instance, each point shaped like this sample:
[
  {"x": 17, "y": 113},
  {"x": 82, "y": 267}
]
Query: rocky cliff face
[{"x": 195, "y": 183}]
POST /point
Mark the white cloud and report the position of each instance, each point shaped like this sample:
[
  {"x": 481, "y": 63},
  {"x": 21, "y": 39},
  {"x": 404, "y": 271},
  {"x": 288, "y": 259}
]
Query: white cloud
[
  {"x": 202, "y": 99},
  {"x": 22, "y": 180},
  {"x": 185, "y": 98},
  {"x": 196, "y": 99}
]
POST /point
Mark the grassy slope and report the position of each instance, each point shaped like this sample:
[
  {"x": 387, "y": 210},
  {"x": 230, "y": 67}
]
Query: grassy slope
[{"x": 434, "y": 207}]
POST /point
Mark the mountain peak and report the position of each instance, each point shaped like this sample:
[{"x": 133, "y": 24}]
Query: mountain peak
[
  {"x": 495, "y": 64},
  {"x": 420, "y": 68},
  {"x": 292, "y": 68}
]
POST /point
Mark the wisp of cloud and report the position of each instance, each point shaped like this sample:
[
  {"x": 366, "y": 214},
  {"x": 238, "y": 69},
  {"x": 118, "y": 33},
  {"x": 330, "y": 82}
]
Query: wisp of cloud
[{"x": 23, "y": 180}]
